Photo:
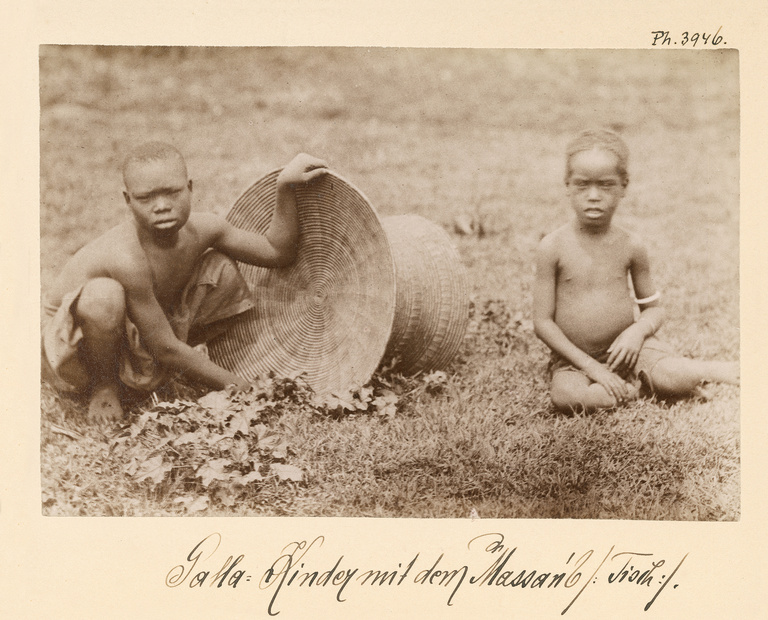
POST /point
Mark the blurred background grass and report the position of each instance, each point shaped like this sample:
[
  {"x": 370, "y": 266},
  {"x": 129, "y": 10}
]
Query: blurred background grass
[{"x": 436, "y": 132}]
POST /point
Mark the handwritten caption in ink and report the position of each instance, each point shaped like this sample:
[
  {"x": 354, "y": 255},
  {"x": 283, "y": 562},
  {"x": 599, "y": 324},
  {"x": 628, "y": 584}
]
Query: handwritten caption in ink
[
  {"x": 300, "y": 568},
  {"x": 691, "y": 39}
]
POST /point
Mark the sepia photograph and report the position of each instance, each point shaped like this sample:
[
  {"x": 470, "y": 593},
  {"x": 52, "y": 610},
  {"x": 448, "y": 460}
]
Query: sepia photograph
[{"x": 391, "y": 282}]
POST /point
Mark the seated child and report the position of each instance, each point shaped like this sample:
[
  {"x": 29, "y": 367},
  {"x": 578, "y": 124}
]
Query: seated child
[
  {"x": 584, "y": 306},
  {"x": 125, "y": 306}
]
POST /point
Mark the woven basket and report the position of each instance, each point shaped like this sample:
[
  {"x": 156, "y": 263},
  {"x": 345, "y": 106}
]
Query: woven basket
[
  {"x": 432, "y": 303},
  {"x": 329, "y": 315}
]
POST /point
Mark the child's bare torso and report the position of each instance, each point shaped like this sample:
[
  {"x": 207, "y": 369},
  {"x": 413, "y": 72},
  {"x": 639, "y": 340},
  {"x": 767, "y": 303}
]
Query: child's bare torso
[
  {"x": 593, "y": 301},
  {"x": 119, "y": 254}
]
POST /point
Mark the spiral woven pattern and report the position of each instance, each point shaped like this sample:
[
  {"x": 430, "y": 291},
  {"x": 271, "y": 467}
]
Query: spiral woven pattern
[
  {"x": 329, "y": 315},
  {"x": 432, "y": 302}
]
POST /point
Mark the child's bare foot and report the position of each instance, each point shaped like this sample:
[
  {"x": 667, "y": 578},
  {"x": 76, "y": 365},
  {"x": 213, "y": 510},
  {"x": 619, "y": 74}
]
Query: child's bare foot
[
  {"x": 718, "y": 371},
  {"x": 633, "y": 391},
  {"x": 701, "y": 393},
  {"x": 104, "y": 407}
]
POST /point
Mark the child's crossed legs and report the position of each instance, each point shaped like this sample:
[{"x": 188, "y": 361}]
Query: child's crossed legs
[{"x": 658, "y": 368}]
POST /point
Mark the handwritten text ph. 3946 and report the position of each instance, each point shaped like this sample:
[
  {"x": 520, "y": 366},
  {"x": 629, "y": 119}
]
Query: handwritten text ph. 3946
[{"x": 691, "y": 39}]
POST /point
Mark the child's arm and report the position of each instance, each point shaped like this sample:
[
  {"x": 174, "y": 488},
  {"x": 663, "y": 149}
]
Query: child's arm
[
  {"x": 278, "y": 246},
  {"x": 626, "y": 348},
  {"x": 544, "y": 296},
  {"x": 157, "y": 335}
]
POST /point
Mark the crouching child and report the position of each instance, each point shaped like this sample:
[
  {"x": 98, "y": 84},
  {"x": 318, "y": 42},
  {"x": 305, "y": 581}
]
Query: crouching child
[{"x": 127, "y": 308}]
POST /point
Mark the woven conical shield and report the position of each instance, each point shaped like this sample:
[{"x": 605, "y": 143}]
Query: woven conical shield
[
  {"x": 432, "y": 306},
  {"x": 329, "y": 315}
]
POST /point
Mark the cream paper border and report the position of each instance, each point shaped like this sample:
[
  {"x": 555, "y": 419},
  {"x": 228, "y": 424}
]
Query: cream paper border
[{"x": 115, "y": 568}]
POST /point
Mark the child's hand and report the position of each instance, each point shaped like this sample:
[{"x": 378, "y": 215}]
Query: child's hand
[
  {"x": 302, "y": 169},
  {"x": 626, "y": 348},
  {"x": 613, "y": 383}
]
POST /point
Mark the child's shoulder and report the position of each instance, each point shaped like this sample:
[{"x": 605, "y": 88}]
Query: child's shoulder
[
  {"x": 555, "y": 239},
  {"x": 116, "y": 243},
  {"x": 112, "y": 253},
  {"x": 558, "y": 234},
  {"x": 205, "y": 222},
  {"x": 629, "y": 239},
  {"x": 204, "y": 218}
]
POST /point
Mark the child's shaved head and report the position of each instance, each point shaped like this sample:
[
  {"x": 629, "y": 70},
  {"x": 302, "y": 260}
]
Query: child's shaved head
[
  {"x": 152, "y": 151},
  {"x": 603, "y": 139}
]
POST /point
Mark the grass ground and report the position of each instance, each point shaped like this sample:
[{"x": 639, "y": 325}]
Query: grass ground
[{"x": 441, "y": 133}]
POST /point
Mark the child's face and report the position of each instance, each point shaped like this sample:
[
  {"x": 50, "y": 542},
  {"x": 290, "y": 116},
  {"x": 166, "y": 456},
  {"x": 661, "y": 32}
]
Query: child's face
[
  {"x": 159, "y": 194},
  {"x": 595, "y": 187}
]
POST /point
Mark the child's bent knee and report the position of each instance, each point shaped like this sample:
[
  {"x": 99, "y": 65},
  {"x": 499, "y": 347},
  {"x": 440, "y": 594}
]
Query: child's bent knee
[
  {"x": 102, "y": 303},
  {"x": 562, "y": 400},
  {"x": 563, "y": 392},
  {"x": 580, "y": 398}
]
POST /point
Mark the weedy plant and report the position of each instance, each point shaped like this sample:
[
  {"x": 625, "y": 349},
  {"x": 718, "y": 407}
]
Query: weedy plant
[
  {"x": 221, "y": 448},
  {"x": 211, "y": 449}
]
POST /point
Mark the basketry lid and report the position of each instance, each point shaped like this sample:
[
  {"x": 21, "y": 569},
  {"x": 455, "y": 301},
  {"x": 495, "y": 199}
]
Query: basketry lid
[{"x": 328, "y": 315}]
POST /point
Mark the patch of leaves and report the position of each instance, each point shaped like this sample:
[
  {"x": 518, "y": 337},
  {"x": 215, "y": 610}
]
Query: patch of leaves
[
  {"x": 361, "y": 400},
  {"x": 216, "y": 449},
  {"x": 379, "y": 397},
  {"x": 183, "y": 451},
  {"x": 385, "y": 395},
  {"x": 224, "y": 446}
]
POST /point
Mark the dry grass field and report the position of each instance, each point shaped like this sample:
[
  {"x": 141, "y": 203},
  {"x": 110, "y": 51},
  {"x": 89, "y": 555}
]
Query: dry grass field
[{"x": 440, "y": 133}]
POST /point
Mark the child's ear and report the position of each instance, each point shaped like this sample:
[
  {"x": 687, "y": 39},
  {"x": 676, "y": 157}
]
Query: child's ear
[{"x": 624, "y": 187}]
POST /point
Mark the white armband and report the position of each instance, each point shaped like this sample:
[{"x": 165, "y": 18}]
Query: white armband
[{"x": 648, "y": 300}]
